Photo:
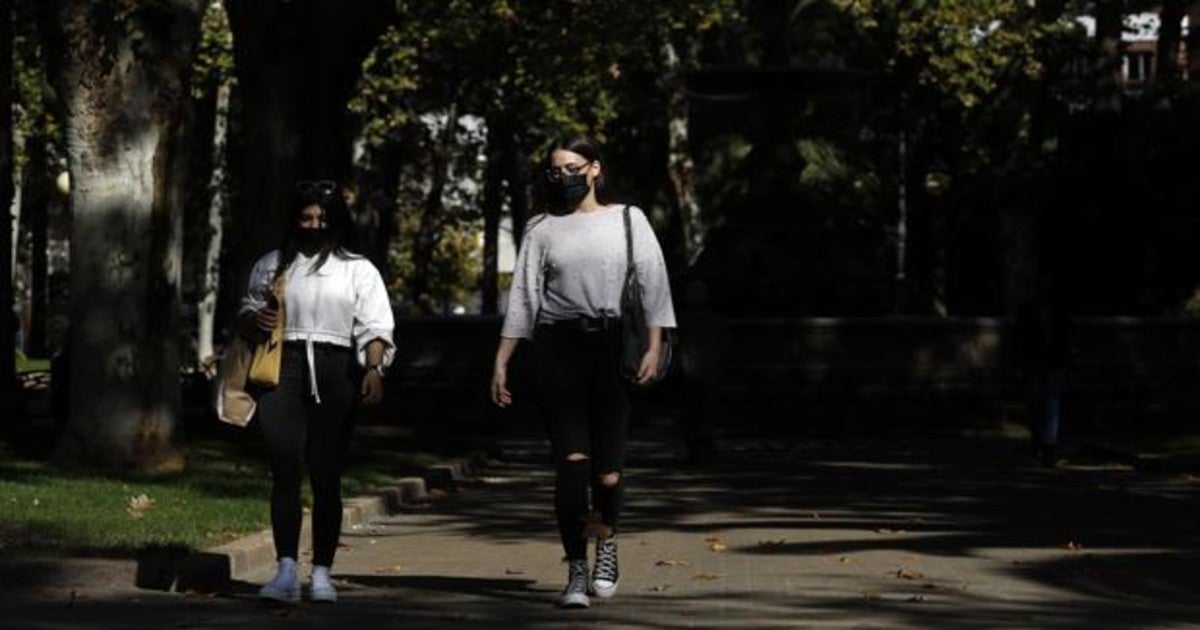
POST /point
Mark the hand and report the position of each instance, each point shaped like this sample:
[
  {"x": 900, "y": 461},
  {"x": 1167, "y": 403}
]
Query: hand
[
  {"x": 500, "y": 394},
  {"x": 649, "y": 367},
  {"x": 266, "y": 319},
  {"x": 372, "y": 388}
]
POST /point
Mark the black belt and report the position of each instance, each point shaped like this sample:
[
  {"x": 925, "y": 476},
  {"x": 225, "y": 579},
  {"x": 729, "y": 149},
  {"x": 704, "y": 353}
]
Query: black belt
[{"x": 586, "y": 324}]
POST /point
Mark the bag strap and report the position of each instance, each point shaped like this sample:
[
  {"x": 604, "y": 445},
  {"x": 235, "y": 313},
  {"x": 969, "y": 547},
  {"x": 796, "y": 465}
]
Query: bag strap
[{"x": 630, "y": 265}]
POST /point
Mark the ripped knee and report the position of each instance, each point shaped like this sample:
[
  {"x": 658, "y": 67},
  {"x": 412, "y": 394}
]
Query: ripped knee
[
  {"x": 610, "y": 479},
  {"x": 576, "y": 457}
]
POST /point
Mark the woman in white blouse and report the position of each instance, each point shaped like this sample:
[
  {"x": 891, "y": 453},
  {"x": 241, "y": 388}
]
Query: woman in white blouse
[
  {"x": 566, "y": 299},
  {"x": 337, "y": 343}
]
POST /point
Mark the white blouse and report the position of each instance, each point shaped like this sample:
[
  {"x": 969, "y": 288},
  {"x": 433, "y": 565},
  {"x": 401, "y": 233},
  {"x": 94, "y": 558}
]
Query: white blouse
[{"x": 344, "y": 303}]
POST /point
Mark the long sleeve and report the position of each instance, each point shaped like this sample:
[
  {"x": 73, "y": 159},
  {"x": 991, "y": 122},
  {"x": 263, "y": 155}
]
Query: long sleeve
[
  {"x": 372, "y": 313},
  {"x": 652, "y": 272},
  {"x": 525, "y": 295}
]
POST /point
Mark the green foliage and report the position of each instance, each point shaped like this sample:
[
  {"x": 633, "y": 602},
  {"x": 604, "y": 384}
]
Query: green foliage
[{"x": 213, "y": 63}]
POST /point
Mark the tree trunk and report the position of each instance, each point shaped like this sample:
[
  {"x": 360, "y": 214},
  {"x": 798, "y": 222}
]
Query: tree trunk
[
  {"x": 297, "y": 62},
  {"x": 35, "y": 209},
  {"x": 1108, "y": 55},
  {"x": 680, "y": 167},
  {"x": 1170, "y": 30},
  {"x": 499, "y": 140},
  {"x": 1193, "y": 41},
  {"x": 7, "y": 192},
  {"x": 426, "y": 238},
  {"x": 121, "y": 73},
  {"x": 210, "y": 280}
]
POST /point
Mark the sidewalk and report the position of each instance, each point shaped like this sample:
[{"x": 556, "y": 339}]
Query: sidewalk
[{"x": 958, "y": 534}]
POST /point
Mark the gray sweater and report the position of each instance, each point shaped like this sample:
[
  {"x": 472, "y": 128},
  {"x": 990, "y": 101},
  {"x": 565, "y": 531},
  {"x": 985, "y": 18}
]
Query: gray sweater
[{"x": 574, "y": 266}]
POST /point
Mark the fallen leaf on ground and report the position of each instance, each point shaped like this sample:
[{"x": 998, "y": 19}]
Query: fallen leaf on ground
[
  {"x": 771, "y": 544},
  {"x": 909, "y": 574},
  {"x": 139, "y": 506},
  {"x": 513, "y": 572},
  {"x": 392, "y": 569},
  {"x": 705, "y": 576},
  {"x": 672, "y": 563},
  {"x": 659, "y": 588},
  {"x": 916, "y": 598},
  {"x": 345, "y": 545},
  {"x": 713, "y": 539},
  {"x": 718, "y": 547},
  {"x": 843, "y": 559}
]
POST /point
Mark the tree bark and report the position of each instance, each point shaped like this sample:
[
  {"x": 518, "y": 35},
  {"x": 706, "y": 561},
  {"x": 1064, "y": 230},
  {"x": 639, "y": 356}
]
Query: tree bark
[
  {"x": 7, "y": 192},
  {"x": 1170, "y": 31},
  {"x": 297, "y": 62},
  {"x": 121, "y": 73},
  {"x": 35, "y": 210},
  {"x": 499, "y": 142},
  {"x": 681, "y": 169},
  {"x": 427, "y": 235},
  {"x": 210, "y": 281}
]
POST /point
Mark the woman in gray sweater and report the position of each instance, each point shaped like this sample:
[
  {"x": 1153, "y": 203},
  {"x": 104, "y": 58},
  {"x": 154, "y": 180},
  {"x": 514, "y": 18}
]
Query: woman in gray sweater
[{"x": 566, "y": 299}]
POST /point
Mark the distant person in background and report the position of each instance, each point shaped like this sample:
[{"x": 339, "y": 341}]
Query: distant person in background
[
  {"x": 566, "y": 299},
  {"x": 703, "y": 349},
  {"x": 1045, "y": 349}
]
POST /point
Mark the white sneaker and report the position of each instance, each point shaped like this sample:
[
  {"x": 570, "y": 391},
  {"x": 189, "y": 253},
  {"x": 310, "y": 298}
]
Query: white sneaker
[
  {"x": 606, "y": 575},
  {"x": 285, "y": 586},
  {"x": 322, "y": 589},
  {"x": 575, "y": 593}
]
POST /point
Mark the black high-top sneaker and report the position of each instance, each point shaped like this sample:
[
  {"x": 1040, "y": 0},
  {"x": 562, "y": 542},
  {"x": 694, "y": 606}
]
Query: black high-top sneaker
[
  {"x": 575, "y": 595},
  {"x": 605, "y": 576}
]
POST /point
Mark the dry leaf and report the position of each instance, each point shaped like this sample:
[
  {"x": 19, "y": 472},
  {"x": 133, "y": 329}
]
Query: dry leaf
[
  {"x": 672, "y": 563},
  {"x": 713, "y": 539},
  {"x": 705, "y": 576},
  {"x": 659, "y": 588},
  {"x": 139, "y": 506},
  {"x": 513, "y": 572},
  {"x": 392, "y": 569},
  {"x": 843, "y": 559},
  {"x": 718, "y": 547},
  {"x": 909, "y": 574}
]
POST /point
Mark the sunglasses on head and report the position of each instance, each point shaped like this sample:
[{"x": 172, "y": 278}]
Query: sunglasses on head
[{"x": 323, "y": 187}]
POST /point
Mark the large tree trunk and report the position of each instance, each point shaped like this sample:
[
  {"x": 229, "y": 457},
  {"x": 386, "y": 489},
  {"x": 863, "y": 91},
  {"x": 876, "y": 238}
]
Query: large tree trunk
[
  {"x": 297, "y": 62},
  {"x": 1108, "y": 55},
  {"x": 121, "y": 73},
  {"x": 7, "y": 192},
  {"x": 210, "y": 280}
]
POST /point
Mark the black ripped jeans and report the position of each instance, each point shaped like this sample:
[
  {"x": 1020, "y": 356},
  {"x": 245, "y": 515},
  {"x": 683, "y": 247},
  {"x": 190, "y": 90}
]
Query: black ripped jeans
[
  {"x": 300, "y": 432},
  {"x": 585, "y": 406}
]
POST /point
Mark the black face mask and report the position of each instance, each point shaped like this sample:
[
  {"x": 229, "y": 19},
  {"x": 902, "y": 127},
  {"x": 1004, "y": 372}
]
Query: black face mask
[
  {"x": 309, "y": 241},
  {"x": 571, "y": 190}
]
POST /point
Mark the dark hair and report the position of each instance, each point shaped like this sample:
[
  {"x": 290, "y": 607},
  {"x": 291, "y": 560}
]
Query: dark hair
[
  {"x": 575, "y": 143},
  {"x": 337, "y": 220}
]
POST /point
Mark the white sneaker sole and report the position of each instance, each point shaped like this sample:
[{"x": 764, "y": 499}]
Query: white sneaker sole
[
  {"x": 604, "y": 591},
  {"x": 573, "y": 600},
  {"x": 324, "y": 597},
  {"x": 287, "y": 596}
]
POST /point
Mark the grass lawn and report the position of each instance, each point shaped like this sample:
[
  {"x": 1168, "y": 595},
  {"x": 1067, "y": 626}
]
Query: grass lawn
[{"x": 222, "y": 495}]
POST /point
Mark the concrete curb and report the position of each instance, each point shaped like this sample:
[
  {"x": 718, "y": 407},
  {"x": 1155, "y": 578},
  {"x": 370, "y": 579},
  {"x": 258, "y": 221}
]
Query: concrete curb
[{"x": 213, "y": 569}]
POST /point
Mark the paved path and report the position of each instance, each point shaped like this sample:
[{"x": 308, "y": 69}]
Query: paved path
[{"x": 948, "y": 534}]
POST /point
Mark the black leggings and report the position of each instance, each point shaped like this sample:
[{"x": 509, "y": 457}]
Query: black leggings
[
  {"x": 585, "y": 406},
  {"x": 298, "y": 431}
]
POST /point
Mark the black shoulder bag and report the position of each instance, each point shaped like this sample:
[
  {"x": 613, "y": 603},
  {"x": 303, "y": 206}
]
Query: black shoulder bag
[{"x": 635, "y": 334}]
